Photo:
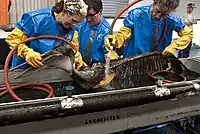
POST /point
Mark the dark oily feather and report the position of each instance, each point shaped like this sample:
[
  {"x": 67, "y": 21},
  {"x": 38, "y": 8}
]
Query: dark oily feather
[
  {"x": 131, "y": 71},
  {"x": 89, "y": 77}
]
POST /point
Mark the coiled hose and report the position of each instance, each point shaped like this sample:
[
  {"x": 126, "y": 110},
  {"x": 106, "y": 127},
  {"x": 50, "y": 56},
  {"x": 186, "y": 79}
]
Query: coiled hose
[
  {"x": 36, "y": 86},
  {"x": 44, "y": 87}
]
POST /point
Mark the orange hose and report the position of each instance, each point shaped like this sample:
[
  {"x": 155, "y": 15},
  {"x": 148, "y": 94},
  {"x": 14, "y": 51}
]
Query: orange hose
[
  {"x": 120, "y": 13},
  {"x": 44, "y": 87}
]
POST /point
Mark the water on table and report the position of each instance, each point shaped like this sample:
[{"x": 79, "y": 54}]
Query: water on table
[{"x": 191, "y": 75}]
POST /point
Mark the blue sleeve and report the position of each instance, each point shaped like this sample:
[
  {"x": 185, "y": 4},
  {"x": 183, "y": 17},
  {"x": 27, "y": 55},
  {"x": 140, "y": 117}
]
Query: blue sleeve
[
  {"x": 40, "y": 24},
  {"x": 175, "y": 23},
  {"x": 132, "y": 16},
  {"x": 26, "y": 24}
]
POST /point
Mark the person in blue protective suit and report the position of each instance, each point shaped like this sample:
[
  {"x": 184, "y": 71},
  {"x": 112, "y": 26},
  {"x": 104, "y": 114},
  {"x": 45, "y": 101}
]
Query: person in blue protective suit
[
  {"x": 189, "y": 20},
  {"x": 144, "y": 28},
  {"x": 91, "y": 34},
  {"x": 48, "y": 21}
]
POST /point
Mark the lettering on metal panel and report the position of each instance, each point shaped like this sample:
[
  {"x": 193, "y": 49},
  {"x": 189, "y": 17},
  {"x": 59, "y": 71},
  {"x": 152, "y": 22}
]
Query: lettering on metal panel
[{"x": 102, "y": 119}]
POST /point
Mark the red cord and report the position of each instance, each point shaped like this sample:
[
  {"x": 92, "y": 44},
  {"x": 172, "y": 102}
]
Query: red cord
[
  {"x": 167, "y": 81},
  {"x": 120, "y": 13},
  {"x": 43, "y": 87},
  {"x": 39, "y": 86}
]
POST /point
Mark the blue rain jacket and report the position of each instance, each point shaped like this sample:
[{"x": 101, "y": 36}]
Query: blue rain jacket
[
  {"x": 98, "y": 49},
  {"x": 142, "y": 26},
  {"x": 36, "y": 23}
]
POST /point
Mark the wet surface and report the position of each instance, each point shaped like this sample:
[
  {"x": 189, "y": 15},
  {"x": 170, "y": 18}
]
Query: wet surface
[
  {"x": 69, "y": 88},
  {"x": 129, "y": 74},
  {"x": 60, "y": 89},
  {"x": 191, "y": 75},
  {"x": 25, "y": 94},
  {"x": 134, "y": 71}
]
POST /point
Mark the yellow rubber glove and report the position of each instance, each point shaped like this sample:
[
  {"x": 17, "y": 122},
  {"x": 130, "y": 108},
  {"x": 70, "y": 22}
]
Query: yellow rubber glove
[
  {"x": 23, "y": 51},
  {"x": 74, "y": 41},
  {"x": 118, "y": 39},
  {"x": 15, "y": 37},
  {"x": 181, "y": 43},
  {"x": 106, "y": 80},
  {"x": 112, "y": 55},
  {"x": 79, "y": 63},
  {"x": 109, "y": 42},
  {"x": 32, "y": 58},
  {"x": 169, "y": 50}
]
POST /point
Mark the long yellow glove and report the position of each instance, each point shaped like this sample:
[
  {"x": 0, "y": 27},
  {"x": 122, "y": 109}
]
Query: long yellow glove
[
  {"x": 32, "y": 58},
  {"x": 23, "y": 51},
  {"x": 75, "y": 40},
  {"x": 79, "y": 63},
  {"x": 118, "y": 39},
  {"x": 112, "y": 55},
  {"x": 106, "y": 80},
  {"x": 186, "y": 36}
]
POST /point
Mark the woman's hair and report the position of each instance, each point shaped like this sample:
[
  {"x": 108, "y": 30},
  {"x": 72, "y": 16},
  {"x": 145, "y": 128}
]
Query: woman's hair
[
  {"x": 59, "y": 5},
  {"x": 167, "y": 5}
]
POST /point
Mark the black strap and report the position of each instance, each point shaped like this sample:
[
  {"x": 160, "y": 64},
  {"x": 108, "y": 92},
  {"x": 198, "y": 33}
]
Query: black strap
[
  {"x": 162, "y": 36},
  {"x": 154, "y": 40},
  {"x": 86, "y": 57}
]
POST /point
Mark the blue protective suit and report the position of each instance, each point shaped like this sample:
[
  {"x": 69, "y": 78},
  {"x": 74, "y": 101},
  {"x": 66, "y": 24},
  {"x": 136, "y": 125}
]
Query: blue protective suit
[
  {"x": 142, "y": 27},
  {"x": 36, "y": 23},
  {"x": 98, "y": 49}
]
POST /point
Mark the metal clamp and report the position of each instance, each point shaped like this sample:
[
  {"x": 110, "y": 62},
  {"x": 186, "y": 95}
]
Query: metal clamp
[
  {"x": 161, "y": 91},
  {"x": 71, "y": 102},
  {"x": 195, "y": 85}
]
